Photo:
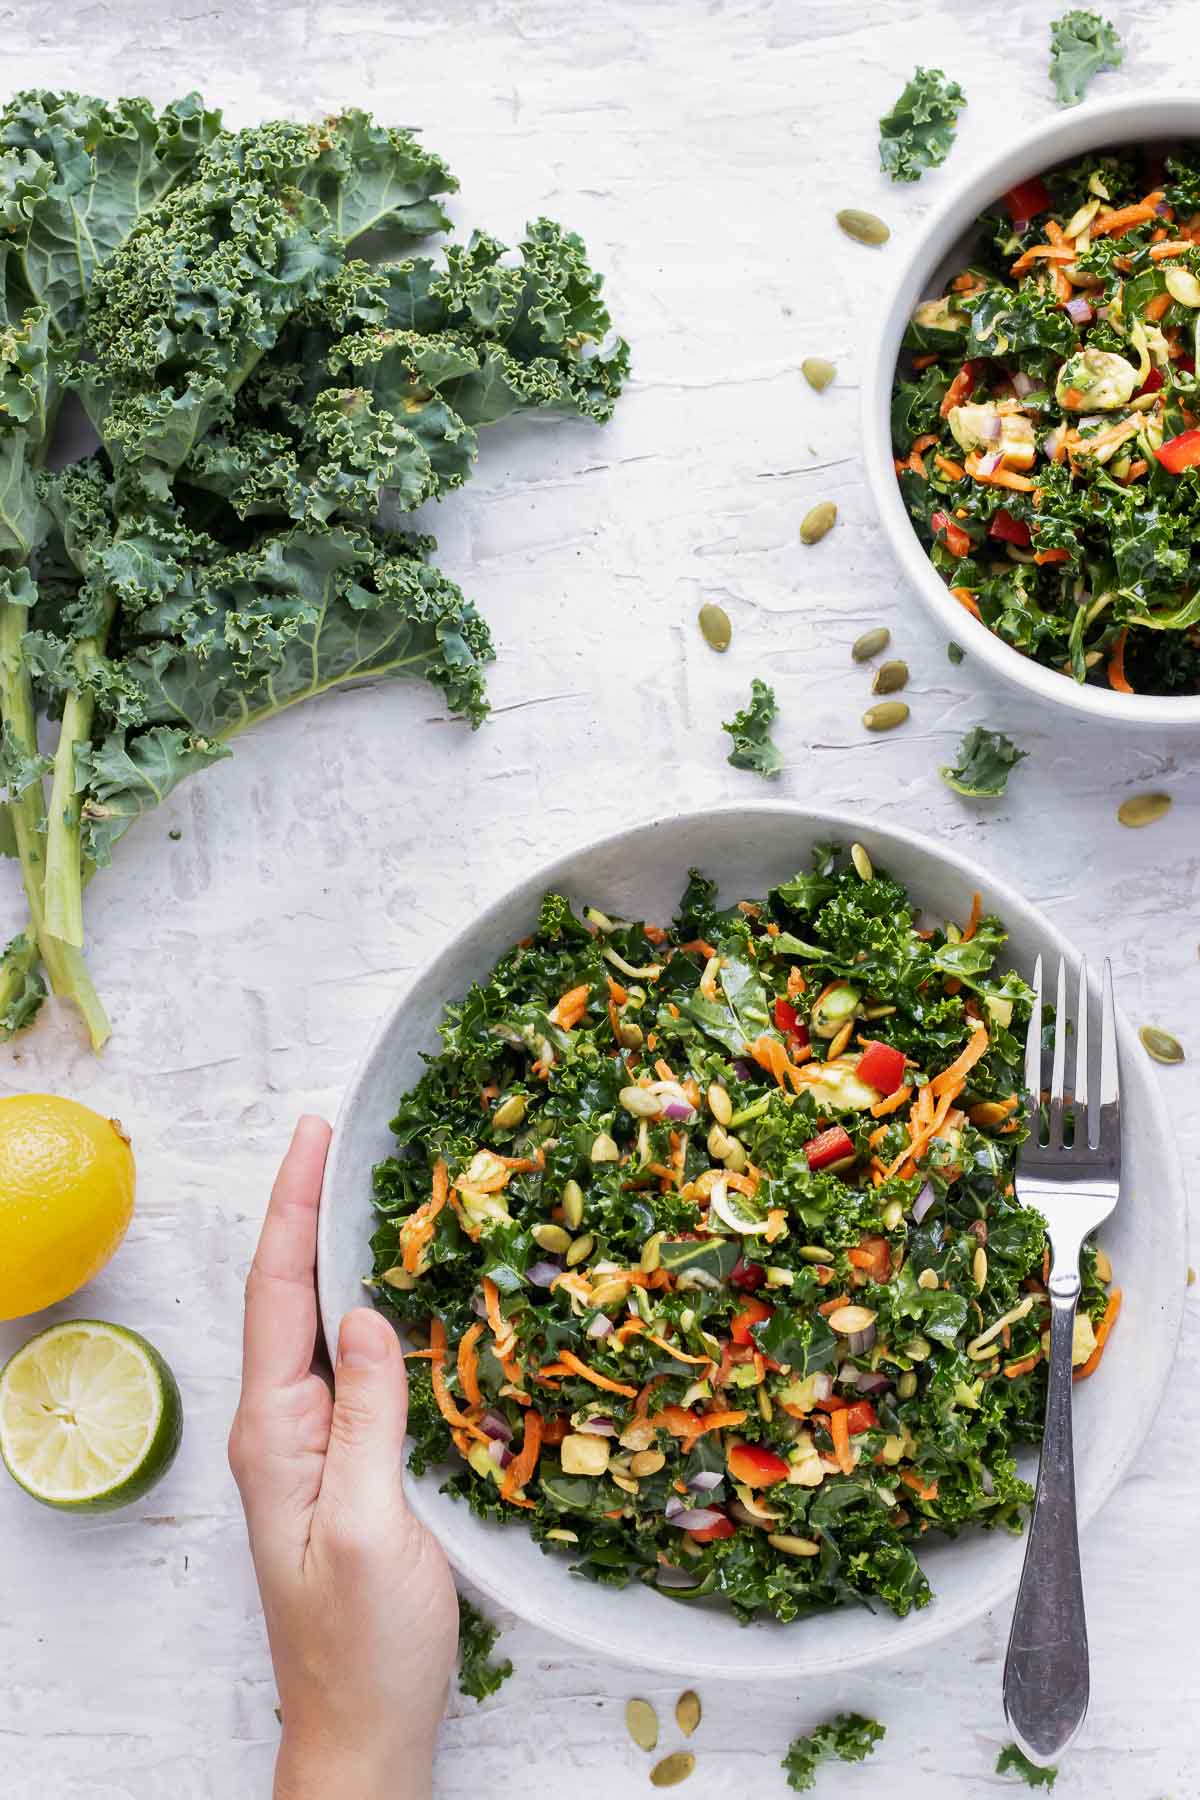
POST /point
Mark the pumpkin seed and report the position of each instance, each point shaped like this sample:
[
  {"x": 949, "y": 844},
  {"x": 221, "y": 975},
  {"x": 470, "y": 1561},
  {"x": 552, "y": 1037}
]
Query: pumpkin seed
[
  {"x": 927, "y": 1279},
  {"x": 604, "y": 1148},
  {"x": 715, "y": 627},
  {"x": 886, "y": 716},
  {"x": 1143, "y": 809},
  {"x": 870, "y": 643},
  {"x": 893, "y": 1213},
  {"x": 572, "y": 1205},
  {"x": 818, "y": 371},
  {"x": 687, "y": 1712},
  {"x": 1161, "y": 1045},
  {"x": 626, "y": 1483},
  {"x": 815, "y": 1253},
  {"x": 651, "y": 1253},
  {"x": 835, "y": 1050},
  {"x": 819, "y": 520},
  {"x": 1183, "y": 286},
  {"x": 863, "y": 227},
  {"x": 399, "y": 1278},
  {"x": 735, "y": 1157},
  {"x": 647, "y": 1462},
  {"x": 989, "y": 1113},
  {"x": 564, "y": 1537},
  {"x": 906, "y": 1386},
  {"x": 640, "y": 1102},
  {"x": 792, "y": 1546},
  {"x": 864, "y": 867},
  {"x": 955, "y": 651},
  {"x": 580, "y": 1250},
  {"x": 890, "y": 677},
  {"x": 1104, "y": 1268},
  {"x": 629, "y": 1035},
  {"x": 641, "y": 1721},
  {"x": 509, "y": 1113},
  {"x": 979, "y": 1268},
  {"x": 672, "y": 1769},
  {"x": 846, "y": 1320},
  {"x": 609, "y": 1293},
  {"x": 719, "y": 1103},
  {"x": 552, "y": 1238}
]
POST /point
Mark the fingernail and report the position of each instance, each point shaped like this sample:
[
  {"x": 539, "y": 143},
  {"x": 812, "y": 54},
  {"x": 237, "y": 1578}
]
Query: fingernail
[{"x": 364, "y": 1340}]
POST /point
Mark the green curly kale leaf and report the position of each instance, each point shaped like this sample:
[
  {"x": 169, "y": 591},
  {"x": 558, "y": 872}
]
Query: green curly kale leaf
[
  {"x": 985, "y": 761},
  {"x": 268, "y": 366},
  {"x": 1012, "y": 1761},
  {"x": 750, "y": 730},
  {"x": 1081, "y": 45},
  {"x": 847, "y": 1738},
  {"x": 918, "y": 132},
  {"x": 478, "y": 1674}
]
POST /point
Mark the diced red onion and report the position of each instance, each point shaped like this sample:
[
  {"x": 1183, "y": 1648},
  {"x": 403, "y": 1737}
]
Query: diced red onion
[
  {"x": 742, "y": 1069},
  {"x": 1079, "y": 309},
  {"x": 670, "y": 1577},
  {"x": 995, "y": 430},
  {"x": 859, "y": 1342},
  {"x": 676, "y": 1110},
  {"x": 987, "y": 465},
  {"x": 922, "y": 1203},
  {"x": 499, "y": 1454},
  {"x": 544, "y": 1273},
  {"x": 598, "y": 1426},
  {"x": 870, "y": 1381},
  {"x": 1023, "y": 383},
  {"x": 700, "y": 1518},
  {"x": 822, "y": 1386},
  {"x": 706, "y": 1481},
  {"x": 673, "y": 1508},
  {"x": 1162, "y": 209},
  {"x": 496, "y": 1426},
  {"x": 600, "y": 1326},
  {"x": 479, "y": 1306},
  {"x": 1053, "y": 441}
]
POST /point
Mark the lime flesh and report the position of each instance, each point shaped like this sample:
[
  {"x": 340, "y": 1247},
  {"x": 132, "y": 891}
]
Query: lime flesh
[{"x": 90, "y": 1416}]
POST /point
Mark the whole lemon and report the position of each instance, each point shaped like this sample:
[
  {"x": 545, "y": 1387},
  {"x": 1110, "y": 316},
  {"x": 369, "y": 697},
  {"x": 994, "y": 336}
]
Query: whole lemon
[{"x": 66, "y": 1198}]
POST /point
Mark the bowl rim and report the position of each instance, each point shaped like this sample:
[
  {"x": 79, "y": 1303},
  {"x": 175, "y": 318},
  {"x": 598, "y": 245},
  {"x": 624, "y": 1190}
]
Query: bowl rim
[
  {"x": 930, "y": 1624},
  {"x": 1143, "y": 116}
]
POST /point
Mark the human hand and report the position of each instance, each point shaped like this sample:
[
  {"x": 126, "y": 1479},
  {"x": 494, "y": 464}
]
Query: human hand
[{"x": 360, "y": 1608}]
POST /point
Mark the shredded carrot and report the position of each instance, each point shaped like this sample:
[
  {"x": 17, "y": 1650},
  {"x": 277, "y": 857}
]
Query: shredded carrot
[
  {"x": 972, "y": 924},
  {"x": 418, "y": 1228},
  {"x": 925, "y": 361},
  {"x": 675, "y": 1351},
  {"x": 1157, "y": 307},
  {"x": 873, "y": 1255},
  {"x": 999, "y": 477},
  {"x": 878, "y": 1135},
  {"x": 796, "y": 984},
  {"x": 468, "y": 1364},
  {"x": 641, "y": 1405},
  {"x": 423, "y": 1355},
  {"x": 655, "y": 933},
  {"x": 922, "y": 1489},
  {"x": 839, "y": 1430},
  {"x": 522, "y": 1466},
  {"x": 958, "y": 391},
  {"x": 1053, "y": 253},
  {"x": 1173, "y": 247},
  {"x": 663, "y": 1070},
  {"x": 699, "y": 947},
  {"x": 619, "y": 994},
  {"x": 1136, "y": 470},
  {"x": 577, "y": 1366},
  {"x": 1123, "y": 219},
  {"x": 445, "y": 1405},
  {"x": 570, "y": 1007},
  {"x": 829, "y": 1306},
  {"x": 951, "y": 1080},
  {"x": 966, "y": 598},
  {"x": 1111, "y": 1314},
  {"x": 1013, "y": 1370},
  {"x": 1117, "y": 678},
  {"x": 923, "y": 443},
  {"x": 953, "y": 471}
]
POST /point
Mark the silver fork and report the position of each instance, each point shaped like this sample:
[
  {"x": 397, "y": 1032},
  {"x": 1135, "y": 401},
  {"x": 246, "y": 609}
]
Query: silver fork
[{"x": 1073, "y": 1180}]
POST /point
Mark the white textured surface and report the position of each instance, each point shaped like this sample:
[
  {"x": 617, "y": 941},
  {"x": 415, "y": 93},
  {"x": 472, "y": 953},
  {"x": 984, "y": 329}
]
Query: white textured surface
[{"x": 701, "y": 150}]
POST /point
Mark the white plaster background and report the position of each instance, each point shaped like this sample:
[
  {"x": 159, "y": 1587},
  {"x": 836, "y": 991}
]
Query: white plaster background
[{"x": 702, "y": 150}]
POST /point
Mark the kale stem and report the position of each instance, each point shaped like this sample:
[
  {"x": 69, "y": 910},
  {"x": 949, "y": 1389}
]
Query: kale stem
[
  {"x": 65, "y": 966},
  {"x": 64, "y": 848}
]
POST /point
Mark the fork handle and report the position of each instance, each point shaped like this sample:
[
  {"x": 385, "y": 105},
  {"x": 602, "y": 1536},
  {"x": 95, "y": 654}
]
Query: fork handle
[{"x": 1046, "y": 1670}]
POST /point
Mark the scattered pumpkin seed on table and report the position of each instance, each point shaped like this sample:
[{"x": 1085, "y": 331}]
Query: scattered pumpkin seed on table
[
  {"x": 672, "y": 1769},
  {"x": 819, "y": 520},
  {"x": 870, "y": 643},
  {"x": 890, "y": 677},
  {"x": 863, "y": 227},
  {"x": 1143, "y": 809},
  {"x": 641, "y": 1721},
  {"x": 1161, "y": 1045},
  {"x": 687, "y": 1712},
  {"x": 715, "y": 627},
  {"x": 886, "y": 716},
  {"x": 818, "y": 372}
]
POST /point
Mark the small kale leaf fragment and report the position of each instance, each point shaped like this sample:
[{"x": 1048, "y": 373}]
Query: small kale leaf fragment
[
  {"x": 1011, "y": 1761},
  {"x": 985, "y": 760},
  {"x": 847, "y": 1738},
  {"x": 918, "y": 132},
  {"x": 478, "y": 1674},
  {"x": 750, "y": 730},
  {"x": 1081, "y": 44}
]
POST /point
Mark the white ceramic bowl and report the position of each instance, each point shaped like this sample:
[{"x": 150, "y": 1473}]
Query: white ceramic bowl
[
  {"x": 640, "y": 874},
  {"x": 936, "y": 252}
]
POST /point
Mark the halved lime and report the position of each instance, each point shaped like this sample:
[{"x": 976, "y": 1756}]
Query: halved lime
[{"x": 90, "y": 1416}]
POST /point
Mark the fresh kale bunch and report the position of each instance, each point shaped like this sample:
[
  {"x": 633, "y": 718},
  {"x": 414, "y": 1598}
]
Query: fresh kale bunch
[
  {"x": 262, "y": 359},
  {"x": 478, "y": 1674},
  {"x": 847, "y": 1738},
  {"x": 1081, "y": 45},
  {"x": 750, "y": 729},
  {"x": 918, "y": 132}
]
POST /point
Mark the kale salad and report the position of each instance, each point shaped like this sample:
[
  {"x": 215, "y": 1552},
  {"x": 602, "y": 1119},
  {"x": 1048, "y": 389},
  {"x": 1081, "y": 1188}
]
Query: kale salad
[
  {"x": 708, "y": 1241},
  {"x": 1046, "y": 422}
]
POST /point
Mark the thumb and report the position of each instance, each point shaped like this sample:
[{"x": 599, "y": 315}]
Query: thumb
[{"x": 364, "y": 1464}]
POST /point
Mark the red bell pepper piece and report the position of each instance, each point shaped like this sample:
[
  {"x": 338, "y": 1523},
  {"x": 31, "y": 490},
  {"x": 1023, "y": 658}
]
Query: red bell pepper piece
[
  {"x": 957, "y": 541},
  {"x": 752, "y": 1313},
  {"x": 1180, "y": 453},
  {"x": 829, "y": 1147},
  {"x": 747, "y": 1276},
  {"x": 882, "y": 1067},
  {"x": 959, "y": 389},
  {"x": 720, "y": 1528},
  {"x": 861, "y": 1417},
  {"x": 1186, "y": 363},
  {"x": 786, "y": 1016},
  {"x": 1152, "y": 383},
  {"x": 1027, "y": 200},
  {"x": 756, "y": 1466},
  {"x": 1010, "y": 530}
]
